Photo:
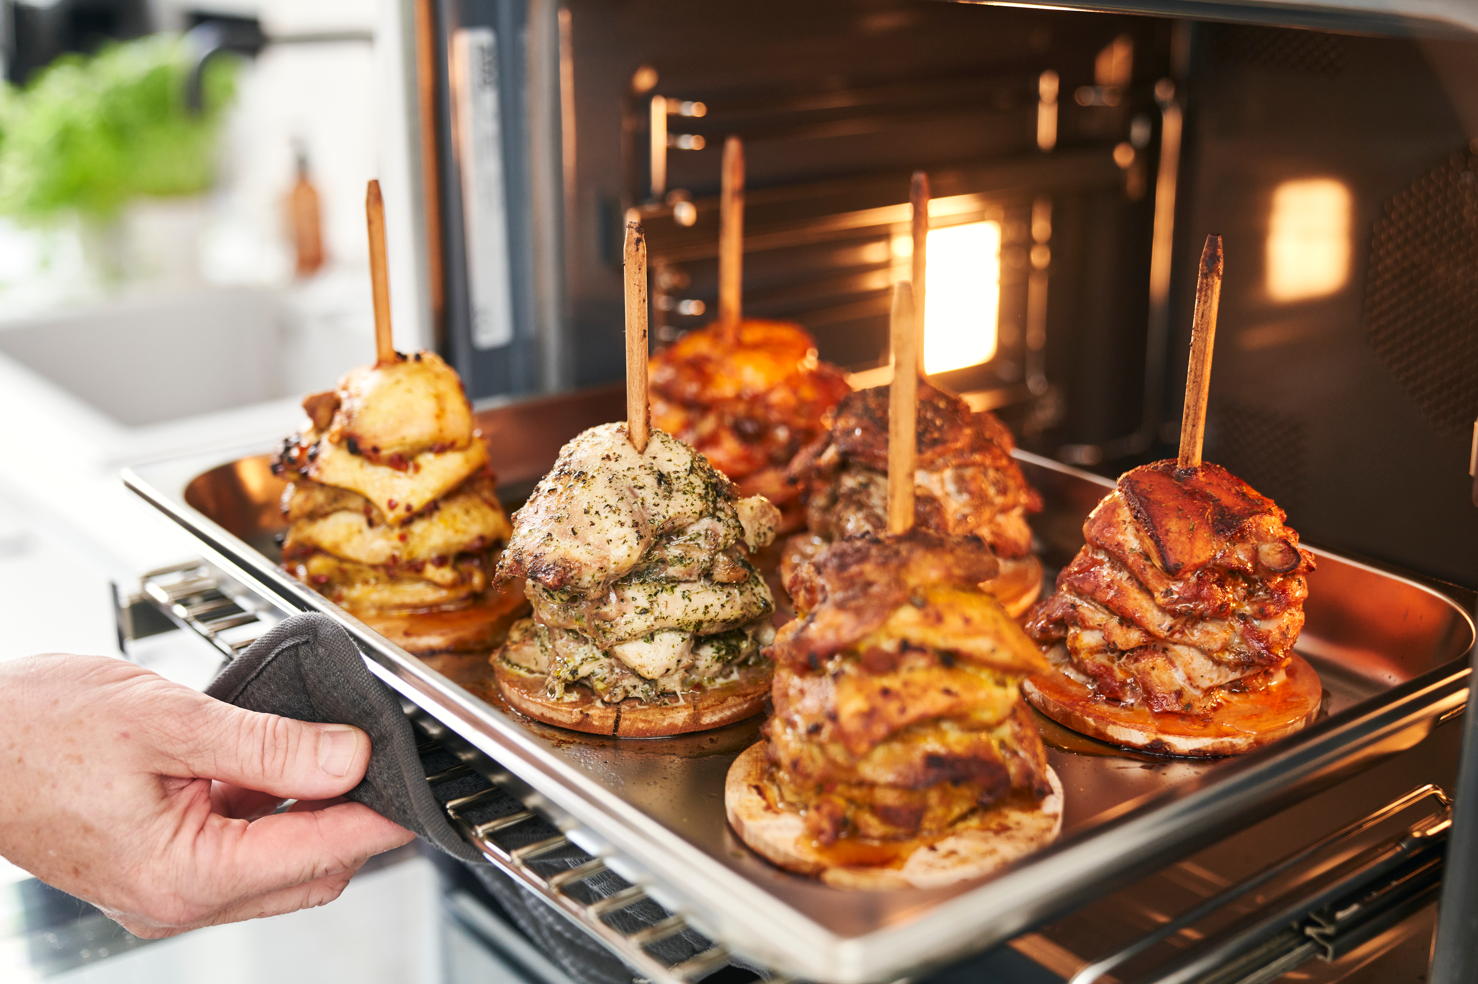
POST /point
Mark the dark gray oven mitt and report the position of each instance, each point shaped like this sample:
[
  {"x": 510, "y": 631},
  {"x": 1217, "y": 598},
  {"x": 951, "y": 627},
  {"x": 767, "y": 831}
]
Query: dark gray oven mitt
[{"x": 310, "y": 669}]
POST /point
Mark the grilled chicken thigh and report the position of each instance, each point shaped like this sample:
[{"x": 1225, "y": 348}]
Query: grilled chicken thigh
[
  {"x": 1188, "y": 583},
  {"x": 966, "y": 484}
]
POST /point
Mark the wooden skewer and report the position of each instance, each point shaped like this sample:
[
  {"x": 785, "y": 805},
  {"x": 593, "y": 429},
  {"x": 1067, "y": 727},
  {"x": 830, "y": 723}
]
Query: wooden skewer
[
  {"x": 903, "y": 396},
  {"x": 731, "y": 238},
  {"x": 1203, "y": 339},
  {"x": 637, "y": 413},
  {"x": 374, "y": 207},
  {"x": 918, "y": 197}
]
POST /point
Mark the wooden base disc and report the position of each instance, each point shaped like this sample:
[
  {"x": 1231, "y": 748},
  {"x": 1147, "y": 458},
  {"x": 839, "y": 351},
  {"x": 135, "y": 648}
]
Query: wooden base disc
[
  {"x": 972, "y": 848},
  {"x": 702, "y": 710},
  {"x": 1241, "y": 723},
  {"x": 477, "y": 628}
]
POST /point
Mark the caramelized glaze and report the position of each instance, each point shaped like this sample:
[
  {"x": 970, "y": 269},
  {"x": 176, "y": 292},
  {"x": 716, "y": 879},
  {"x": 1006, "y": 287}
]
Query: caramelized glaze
[{"x": 1273, "y": 709}]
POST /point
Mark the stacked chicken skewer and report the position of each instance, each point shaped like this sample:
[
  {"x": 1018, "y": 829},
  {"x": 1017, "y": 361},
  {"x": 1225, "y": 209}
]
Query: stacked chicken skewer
[{"x": 901, "y": 751}]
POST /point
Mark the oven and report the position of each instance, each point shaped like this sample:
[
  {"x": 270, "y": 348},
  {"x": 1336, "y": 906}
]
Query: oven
[{"x": 1084, "y": 154}]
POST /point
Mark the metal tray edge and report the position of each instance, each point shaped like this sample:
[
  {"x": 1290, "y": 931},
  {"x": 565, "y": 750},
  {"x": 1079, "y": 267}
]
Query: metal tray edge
[{"x": 1157, "y": 828}]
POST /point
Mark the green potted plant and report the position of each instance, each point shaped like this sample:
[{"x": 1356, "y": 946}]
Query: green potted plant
[{"x": 108, "y": 138}]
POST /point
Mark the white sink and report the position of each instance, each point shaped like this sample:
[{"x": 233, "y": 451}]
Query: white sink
[
  {"x": 152, "y": 360},
  {"x": 102, "y": 386}
]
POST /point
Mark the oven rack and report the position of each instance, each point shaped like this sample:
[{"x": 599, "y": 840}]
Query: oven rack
[
  {"x": 195, "y": 597},
  {"x": 489, "y": 836},
  {"x": 1330, "y": 913}
]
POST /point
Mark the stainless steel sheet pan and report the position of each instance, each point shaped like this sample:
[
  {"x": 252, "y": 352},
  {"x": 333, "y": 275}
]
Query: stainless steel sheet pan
[{"x": 1390, "y": 652}]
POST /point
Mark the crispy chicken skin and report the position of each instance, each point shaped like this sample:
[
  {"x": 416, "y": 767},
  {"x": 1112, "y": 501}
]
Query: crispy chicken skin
[
  {"x": 635, "y": 565},
  {"x": 469, "y": 519},
  {"x": 966, "y": 483},
  {"x": 748, "y": 407},
  {"x": 393, "y": 507},
  {"x": 1187, "y": 583},
  {"x": 402, "y": 408},
  {"x": 897, "y": 708}
]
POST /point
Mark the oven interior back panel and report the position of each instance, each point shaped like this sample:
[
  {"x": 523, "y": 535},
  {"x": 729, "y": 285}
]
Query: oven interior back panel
[
  {"x": 1353, "y": 405},
  {"x": 837, "y": 104}
]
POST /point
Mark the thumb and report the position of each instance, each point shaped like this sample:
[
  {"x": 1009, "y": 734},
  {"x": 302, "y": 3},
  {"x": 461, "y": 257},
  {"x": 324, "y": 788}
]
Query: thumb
[{"x": 273, "y": 754}]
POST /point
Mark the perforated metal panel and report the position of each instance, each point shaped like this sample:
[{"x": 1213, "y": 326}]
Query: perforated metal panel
[
  {"x": 1279, "y": 49},
  {"x": 1265, "y": 448},
  {"x": 1421, "y": 295}
]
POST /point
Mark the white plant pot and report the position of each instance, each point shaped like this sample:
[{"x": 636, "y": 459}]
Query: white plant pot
[{"x": 154, "y": 241}]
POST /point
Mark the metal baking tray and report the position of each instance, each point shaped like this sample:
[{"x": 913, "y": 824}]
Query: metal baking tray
[{"x": 1390, "y": 652}]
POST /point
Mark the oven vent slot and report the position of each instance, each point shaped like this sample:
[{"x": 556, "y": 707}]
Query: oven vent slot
[
  {"x": 1266, "y": 448},
  {"x": 1421, "y": 294},
  {"x": 1278, "y": 49}
]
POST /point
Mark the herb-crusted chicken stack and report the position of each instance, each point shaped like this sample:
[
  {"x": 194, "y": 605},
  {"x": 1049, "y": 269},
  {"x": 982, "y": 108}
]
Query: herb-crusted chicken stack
[{"x": 648, "y": 618}]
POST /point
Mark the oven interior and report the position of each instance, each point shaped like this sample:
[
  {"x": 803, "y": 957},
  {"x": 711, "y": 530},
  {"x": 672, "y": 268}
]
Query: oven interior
[{"x": 1337, "y": 167}]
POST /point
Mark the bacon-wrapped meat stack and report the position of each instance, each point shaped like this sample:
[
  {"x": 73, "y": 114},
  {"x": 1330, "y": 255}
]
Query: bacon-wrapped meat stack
[
  {"x": 1173, "y": 628},
  {"x": 900, "y": 752},
  {"x": 966, "y": 484},
  {"x": 648, "y": 620},
  {"x": 749, "y": 397},
  {"x": 393, "y": 510}
]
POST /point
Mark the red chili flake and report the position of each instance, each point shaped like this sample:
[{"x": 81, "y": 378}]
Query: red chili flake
[
  {"x": 319, "y": 579},
  {"x": 391, "y": 503},
  {"x": 408, "y": 507},
  {"x": 402, "y": 538}
]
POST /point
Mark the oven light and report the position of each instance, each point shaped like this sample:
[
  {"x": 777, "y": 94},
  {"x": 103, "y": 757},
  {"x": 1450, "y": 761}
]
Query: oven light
[
  {"x": 1308, "y": 252},
  {"x": 962, "y": 296}
]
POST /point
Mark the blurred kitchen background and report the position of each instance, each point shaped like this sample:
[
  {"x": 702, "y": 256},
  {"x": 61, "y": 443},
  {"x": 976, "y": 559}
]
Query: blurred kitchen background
[{"x": 182, "y": 201}]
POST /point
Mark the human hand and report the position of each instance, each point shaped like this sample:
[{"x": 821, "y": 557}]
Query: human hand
[{"x": 154, "y": 802}]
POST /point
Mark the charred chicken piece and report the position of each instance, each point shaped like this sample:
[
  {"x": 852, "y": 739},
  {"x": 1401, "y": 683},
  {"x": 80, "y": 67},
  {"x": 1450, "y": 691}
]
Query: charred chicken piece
[
  {"x": 966, "y": 483},
  {"x": 748, "y": 399},
  {"x": 1189, "y": 587},
  {"x": 897, "y": 708}
]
